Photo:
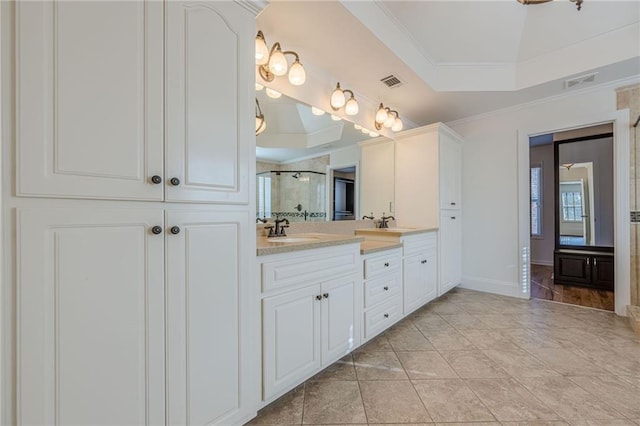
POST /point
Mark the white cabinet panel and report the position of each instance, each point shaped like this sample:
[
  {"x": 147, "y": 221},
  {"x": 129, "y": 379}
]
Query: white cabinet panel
[
  {"x": 291, "y": 337},
  {"x": 90, "y": 317},
  {"x": 209, "y": 86},
  {"x": 339, "y": 328},
  {"x": 450, "y": 250},
  {"x": 377, "y": 171},
  {"x": 89, "y": 99},
  {"x": 420, "y": 280},
  {"x": 450, "y": 173},
  {"x": 204, "y": 279}
]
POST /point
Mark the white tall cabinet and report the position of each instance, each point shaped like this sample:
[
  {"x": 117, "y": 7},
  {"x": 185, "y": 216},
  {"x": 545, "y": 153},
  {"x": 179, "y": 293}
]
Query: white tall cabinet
[
  {"x": 429, "y": 192},
  {"x": 132, "y": 308},
  {"x": 377, "y": 169}
]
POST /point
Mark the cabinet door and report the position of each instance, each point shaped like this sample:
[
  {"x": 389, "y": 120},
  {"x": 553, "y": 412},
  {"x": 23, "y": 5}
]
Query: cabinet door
[
  {"x": 572, "y": 268},
  {"x": 291, "y": 338},
  {"x": 603, "y": 269},
  {"x": 339, "y": 329},
  {"x": 450, "y": 253},
  {"x": 210, "y": 97},
  {"x": 89, "y": 99},
  {"x": 450, "y": 172},
  {"x": 420, "y": 280},
  {"x": 377, "y": 179},
  {"x": 90, "y": 317},
  {"x": 207, "y": 269}
]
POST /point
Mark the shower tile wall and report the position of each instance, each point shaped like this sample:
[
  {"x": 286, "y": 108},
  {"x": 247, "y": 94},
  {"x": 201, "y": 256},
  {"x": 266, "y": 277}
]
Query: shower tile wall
[{"x": 629, "y": 97}]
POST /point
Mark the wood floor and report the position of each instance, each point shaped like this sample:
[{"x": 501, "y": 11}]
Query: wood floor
[{"x": 543, "y": 287}]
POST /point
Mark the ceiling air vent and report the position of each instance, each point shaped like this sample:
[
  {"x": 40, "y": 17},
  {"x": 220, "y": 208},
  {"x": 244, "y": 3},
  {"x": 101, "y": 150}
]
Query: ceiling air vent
[
  {"x": 588, "y": 78},
  {"x": 391, "y": 81}
]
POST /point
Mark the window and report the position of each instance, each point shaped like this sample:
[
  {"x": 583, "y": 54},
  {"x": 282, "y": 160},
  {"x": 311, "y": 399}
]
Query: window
[
  {"x": 571, "y": 206},
  {"x": 536, "y": 200},
  {"x": 264, "y": 196}
]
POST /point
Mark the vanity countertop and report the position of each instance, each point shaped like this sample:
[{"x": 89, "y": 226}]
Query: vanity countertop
[
  {"x": 372, "y": 246},
  {"x": 394, "y": 232},
  {"x": 306, "y": 241}
]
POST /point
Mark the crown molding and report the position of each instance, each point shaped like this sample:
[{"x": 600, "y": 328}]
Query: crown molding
[{"x": 253, "y": 6}]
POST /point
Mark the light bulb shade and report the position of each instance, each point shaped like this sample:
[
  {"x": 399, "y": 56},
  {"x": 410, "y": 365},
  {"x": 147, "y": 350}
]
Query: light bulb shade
[
  {"x": 365, "y": 131},
  {"x": 262, "y": 51},
  {"x": 261, "y": 125},
  {"x": 337, "y": 98},
  {"x": 389, "y": 121},
  {"x": 397, "y": 125},
  {"x": 351, "y": 107},
  {"x": 273, "y": 93},
  {"x": 373, "y": 134},
  {"x": 297, "y": 75},
  {"x": 316, "y": 111},
  {"x": 278, "y": 63},
  {"x": 335, "y": 118},
  {"x": 259, "y": 87},
  {"x": 381, "y": 115},
  {"x": 357, "y": 126}
]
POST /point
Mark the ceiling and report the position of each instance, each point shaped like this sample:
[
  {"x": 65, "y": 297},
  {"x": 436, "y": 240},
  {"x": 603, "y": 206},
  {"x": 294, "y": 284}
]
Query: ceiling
[{"x": 457, "y": 58}]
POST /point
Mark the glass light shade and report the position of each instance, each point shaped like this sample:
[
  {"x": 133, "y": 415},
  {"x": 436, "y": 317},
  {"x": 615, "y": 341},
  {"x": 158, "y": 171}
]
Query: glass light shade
[
  {"x": 365, "y": 131},
  {"x": 262, "y": 51},
  {"x": 335, "y": 118},
  {"x": 351, "y": 107},
  {"x": 337, "y": 98},
  {"x": 357, "y": 126},
  {"x": 381, "y": 115},
  {"x": 316, "y": 111},
  {"x": 273, "y": 93},
  {"x": 373, "y": 134},
  {"x": 389, "y": 121},
  {"x": 261, "y": 125},
  {"x": 259, "y": 87},
  {"x": 397, "y": 125},
  {"x": 278, "y": 63},
  {"x": 297, "y": 75}
]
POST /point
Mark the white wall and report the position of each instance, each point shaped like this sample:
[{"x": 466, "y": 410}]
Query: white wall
[
  {"x": 542, "y": 248},
  {"x": 491, "y": 252}
]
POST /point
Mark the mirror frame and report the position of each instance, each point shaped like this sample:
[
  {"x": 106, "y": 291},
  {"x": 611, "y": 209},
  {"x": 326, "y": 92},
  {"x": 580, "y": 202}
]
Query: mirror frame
[{"x": 556, "y": 190}]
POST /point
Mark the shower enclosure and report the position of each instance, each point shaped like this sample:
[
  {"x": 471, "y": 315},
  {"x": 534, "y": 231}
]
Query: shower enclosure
[{"x": 298, "y": 195}]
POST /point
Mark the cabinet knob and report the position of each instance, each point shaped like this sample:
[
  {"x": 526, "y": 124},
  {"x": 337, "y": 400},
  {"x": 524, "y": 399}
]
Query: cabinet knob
[
  {"x": 319, "y": 297},
  {"x": 325, "y": 295},
  {"x": 595, "y": 261},
  {"x": 386, "y": 264},
  {"x": 175, "y": 181},
  {"x": 453, "y": 204},
  {"x": 156, "y": 179},
  {"x": 175, "y": 230},
  {"x": 453, "y": 217},
  {"x": 385, "y": 288},
  {"x": 386, "y": 315},
  {"x": 423, "y": 261},
  {"x": 156, "y": 230},
  {"x": 588, "y": 261}
]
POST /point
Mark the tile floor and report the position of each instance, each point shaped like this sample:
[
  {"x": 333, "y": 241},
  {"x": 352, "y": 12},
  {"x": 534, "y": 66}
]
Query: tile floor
[{"x": 481, "y": 359}]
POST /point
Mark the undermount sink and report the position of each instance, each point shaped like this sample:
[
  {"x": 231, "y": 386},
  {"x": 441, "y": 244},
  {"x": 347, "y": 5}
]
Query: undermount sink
[{"x": 292, "y": 239}]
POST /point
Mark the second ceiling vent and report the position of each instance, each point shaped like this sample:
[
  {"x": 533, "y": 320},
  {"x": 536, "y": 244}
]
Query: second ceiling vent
[{"x": 391, "y": 81}]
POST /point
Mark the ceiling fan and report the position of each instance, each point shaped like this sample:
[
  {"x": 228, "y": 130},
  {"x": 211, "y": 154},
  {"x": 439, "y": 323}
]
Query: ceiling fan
[{"x": 577, "y": 2}]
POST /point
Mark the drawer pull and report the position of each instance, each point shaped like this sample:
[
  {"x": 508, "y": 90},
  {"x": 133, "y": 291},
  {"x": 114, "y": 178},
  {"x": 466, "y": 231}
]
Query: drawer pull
[
  {"x": 386, "y": 315},
  {"x": 453, "y": 217},
  {"x": 386, "y": 288},
  {"x": 453, "y": 204},
  {"x": 156, "y": 179},
  {"x": 319, "y": 297},
  {"x": 423, "y": 261},
  {"x": 386, "y": 264},
  {"x": 325, "y": 295}
]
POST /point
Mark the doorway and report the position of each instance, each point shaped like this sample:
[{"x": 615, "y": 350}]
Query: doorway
[{"x": 343, "y": 199}]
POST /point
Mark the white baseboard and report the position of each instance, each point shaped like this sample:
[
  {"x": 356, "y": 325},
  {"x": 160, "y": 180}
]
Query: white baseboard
[
  {"x": 542, "y": 262},
  {"x": 504, "y": 288}
]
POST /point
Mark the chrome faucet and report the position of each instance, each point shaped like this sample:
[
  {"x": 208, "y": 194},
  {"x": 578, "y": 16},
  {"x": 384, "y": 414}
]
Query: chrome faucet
[{"x": 384, "y": 221}]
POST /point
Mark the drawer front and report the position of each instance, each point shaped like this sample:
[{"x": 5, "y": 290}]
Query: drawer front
[
  {"x": 382, "y": 317},
  {"x": 380, "y": 265},
  {"x": 378, "y": 290},
  {"x": 310, "y": 268},
  {"x": 421, "y": 242}
]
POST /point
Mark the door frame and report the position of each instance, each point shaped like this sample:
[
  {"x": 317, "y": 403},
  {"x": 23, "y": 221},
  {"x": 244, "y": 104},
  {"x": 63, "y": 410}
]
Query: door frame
[
  {"x": 622, "y": 243},
  {"x": 329, "y": 188}
]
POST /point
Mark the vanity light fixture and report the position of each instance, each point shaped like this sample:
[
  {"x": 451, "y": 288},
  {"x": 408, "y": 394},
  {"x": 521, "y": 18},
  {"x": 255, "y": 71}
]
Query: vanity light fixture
[
  {"x": 339, "y": 100},
  {"x": 568, "y": 166},
  {"x": 527, "y": 2},
  {"x": 317, "y": 111},
  {"x": 260, "y": 123},
  {"x": 274, "y": 63},
  {"x": 386, "y": 117},
  {"x": 274, "y": 94}
]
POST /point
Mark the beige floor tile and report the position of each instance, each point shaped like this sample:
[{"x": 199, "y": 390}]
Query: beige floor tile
[
  {"x": 342, "y": 369},
  {"x": 444, "y": 307},
  {"x": 409, "y": 340},
  {"x": 328, "y": 402},
  {"x": 469, "y": 424},
  {"x": 378, "y": 366},
  {"x": 528, "y": 338},
  {"x": 619, "y": 361},
  {"x": 569, "y": 400},
  {"x": 377, "y": 344},
  {"x": 537, "y": 423},
  {"x": 600, "y": 423},
  {"x": 472, "y": 364},
  {"x": 286, "y": 410},
  {"x": 499, "y": 321},
  {"x": 430, "y": 322},
  {"x": 567, "y": 362},
  {"x": 489, "y": 339},
  {"x": 451, "y": 401},
  {"x": 622, "y": 395},
  {"x": 448, "y": 340},
  {"x": 519, "y": 363},
  {"x": 477, "y": 308},
  {"x": 426, "y": 365},
  {"x": 392, "y": 402},
  {"x": 510, "y": 401},
  {"x": 464, "y": 321}
]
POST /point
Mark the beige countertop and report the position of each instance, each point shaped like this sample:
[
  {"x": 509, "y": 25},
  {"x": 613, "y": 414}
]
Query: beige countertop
[
  {"x": 306, "y": 241},
  {"x": 394, "y": 232},
  {"x": 371, "y": 246}
]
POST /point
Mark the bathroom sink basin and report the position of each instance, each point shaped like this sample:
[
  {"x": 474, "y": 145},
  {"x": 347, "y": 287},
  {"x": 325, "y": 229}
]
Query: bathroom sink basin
[{"x": 292, "y": 239}]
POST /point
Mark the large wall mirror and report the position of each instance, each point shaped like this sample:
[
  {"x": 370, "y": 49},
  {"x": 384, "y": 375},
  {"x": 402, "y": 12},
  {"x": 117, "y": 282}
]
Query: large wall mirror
[
  {"x": 584, "y": 193},
  {"x": 300, "y": 174}
]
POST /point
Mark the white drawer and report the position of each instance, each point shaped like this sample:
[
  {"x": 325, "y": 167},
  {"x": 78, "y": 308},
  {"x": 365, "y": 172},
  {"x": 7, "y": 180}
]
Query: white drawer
[
  {"x": 378, "y": 290},
  {"x": 311, "y": 268},
  {"x": 420, "y": 242},
  {"x": 383, "y": 264},
  {"x": 382, "y": 317}
]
